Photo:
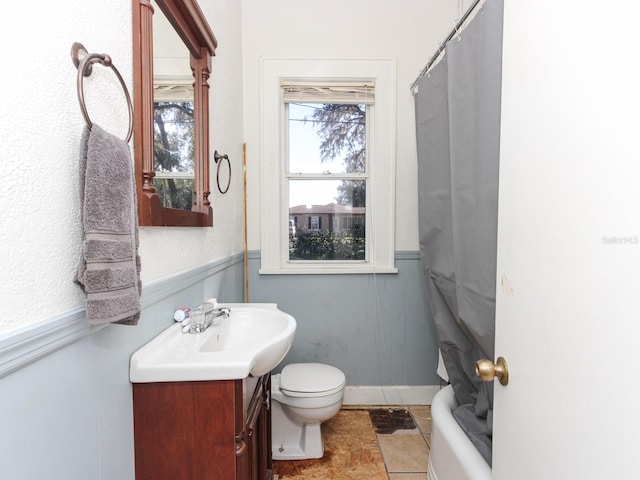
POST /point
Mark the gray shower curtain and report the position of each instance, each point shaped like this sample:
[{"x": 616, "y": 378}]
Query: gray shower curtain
[{"x": 458, "y": 139}]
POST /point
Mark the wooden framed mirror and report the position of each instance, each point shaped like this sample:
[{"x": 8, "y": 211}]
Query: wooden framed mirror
[{"x": 192, "y": 28}]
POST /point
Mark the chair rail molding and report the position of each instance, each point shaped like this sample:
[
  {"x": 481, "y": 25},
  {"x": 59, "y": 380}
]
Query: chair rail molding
[{"x": 23, "y": 346}]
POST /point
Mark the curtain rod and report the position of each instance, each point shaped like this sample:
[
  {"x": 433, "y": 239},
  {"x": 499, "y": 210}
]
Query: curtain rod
[{"x": 436, "y": 55}]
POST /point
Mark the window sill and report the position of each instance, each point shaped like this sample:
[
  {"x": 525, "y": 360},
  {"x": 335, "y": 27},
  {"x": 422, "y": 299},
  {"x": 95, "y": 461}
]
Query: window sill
[{"x": 326, "y": 270}]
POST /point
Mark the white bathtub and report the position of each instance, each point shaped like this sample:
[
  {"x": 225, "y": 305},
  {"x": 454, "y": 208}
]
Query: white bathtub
[{"x": 452, "y": 456}]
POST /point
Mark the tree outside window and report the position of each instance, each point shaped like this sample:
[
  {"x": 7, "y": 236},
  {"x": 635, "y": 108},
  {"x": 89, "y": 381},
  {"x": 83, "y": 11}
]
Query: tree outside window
[{"x": 173, "y": 153}]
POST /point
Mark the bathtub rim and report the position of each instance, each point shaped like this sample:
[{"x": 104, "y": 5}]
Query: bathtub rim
[{"x": 452, "y": 455}]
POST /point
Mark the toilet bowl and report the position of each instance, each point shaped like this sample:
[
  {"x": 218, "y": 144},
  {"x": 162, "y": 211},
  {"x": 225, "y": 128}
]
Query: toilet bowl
[{"x": 303, "y": 396}]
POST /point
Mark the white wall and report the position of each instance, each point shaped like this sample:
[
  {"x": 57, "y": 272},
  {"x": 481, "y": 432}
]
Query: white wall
[
  {"x": 41, "y": 125},
  {"x": 407, "y": 30}
]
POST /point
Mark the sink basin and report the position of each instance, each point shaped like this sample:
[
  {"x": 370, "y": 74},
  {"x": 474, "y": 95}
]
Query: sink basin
[{"x": 251, "y": 341}]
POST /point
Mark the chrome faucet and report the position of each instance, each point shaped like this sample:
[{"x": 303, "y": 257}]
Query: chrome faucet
[{"x": 209, "y": 316}]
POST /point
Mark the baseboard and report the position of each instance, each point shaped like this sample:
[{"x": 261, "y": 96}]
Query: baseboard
[{"x": 389, "y": 395}]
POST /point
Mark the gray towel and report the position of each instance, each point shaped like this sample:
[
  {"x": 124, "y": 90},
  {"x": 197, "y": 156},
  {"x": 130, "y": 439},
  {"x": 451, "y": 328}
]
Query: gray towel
[{"x": 109, "y": 268}]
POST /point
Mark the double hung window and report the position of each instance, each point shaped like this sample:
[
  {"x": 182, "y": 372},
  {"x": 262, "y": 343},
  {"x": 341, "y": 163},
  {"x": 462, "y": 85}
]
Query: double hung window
[
  {"x": 328, "y": 166},
  {"x": 326, "y": 174}
]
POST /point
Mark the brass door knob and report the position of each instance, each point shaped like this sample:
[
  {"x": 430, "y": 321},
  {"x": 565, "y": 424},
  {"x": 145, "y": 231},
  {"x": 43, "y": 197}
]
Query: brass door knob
[{"x": 487, "y": 370}]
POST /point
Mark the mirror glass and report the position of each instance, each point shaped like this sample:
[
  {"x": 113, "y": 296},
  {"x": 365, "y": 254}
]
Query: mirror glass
[{"x": 173, "y": 128}]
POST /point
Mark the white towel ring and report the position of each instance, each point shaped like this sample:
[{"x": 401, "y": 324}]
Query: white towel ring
[{"x": 84, "y": 63}]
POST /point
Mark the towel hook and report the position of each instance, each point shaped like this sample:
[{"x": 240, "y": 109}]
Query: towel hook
[{"x": 84, "y": 63}]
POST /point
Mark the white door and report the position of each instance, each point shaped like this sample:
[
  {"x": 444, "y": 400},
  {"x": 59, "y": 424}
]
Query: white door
[{"x": 568, "y": 300}]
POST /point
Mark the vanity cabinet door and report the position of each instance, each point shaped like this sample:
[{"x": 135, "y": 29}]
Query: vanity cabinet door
[
  {"x": 186, "y": 430},
  {"x": 254, "y": 459},
  {"x": 203, "y": 430}
]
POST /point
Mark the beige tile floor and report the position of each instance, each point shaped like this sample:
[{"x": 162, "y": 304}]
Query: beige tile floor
[{"x": 405, "y": 452}]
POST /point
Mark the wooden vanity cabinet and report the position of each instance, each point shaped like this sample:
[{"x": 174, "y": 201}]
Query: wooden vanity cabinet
[{"x": 209, "y": 430}]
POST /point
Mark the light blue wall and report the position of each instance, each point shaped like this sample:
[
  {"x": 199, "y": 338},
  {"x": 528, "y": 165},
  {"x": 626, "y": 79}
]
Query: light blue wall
[
  {"x": 377, "y": 329},
  {"x": 65, "y": 401}
]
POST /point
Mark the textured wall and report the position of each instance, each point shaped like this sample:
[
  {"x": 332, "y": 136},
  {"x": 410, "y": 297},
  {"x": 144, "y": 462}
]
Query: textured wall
[{"x": 41, "y": 126}]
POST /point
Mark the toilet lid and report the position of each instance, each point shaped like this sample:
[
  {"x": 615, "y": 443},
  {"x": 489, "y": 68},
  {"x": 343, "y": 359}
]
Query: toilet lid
[{"x": 311, "y": 380}]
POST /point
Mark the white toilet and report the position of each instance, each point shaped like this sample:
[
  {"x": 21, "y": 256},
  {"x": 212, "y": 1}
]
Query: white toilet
[{"x": 303, "y": 396}]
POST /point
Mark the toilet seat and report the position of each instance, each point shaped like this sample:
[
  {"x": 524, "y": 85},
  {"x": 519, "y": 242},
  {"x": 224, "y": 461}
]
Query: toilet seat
[{"x": 311, "y": 380}]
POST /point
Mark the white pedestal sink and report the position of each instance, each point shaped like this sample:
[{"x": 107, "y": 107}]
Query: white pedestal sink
[{"x": 251, "y": 341}]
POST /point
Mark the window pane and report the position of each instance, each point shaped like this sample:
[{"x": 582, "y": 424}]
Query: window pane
[
  {"x": 173, "y": 152},
  {"x": 327, "y": 138},
  {"x": 175, "y": 192},
  {"x": 327, "y": 220}
]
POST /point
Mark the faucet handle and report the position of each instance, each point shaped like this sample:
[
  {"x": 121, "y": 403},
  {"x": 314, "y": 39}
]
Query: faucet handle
[{"x": 213, "y": 301}]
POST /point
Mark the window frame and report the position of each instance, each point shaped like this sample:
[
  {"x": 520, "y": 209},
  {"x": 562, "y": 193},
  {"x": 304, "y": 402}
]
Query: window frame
[{"x": 380, "y": 168}]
